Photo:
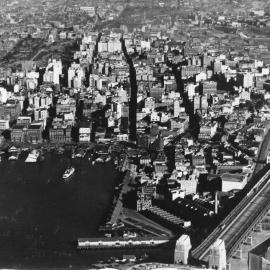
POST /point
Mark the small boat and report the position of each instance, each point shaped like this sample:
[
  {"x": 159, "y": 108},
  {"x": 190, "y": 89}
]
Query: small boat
[
  {"x": 68, "y": 172},
  {"x": 99, "y": 160},
  {"x": 14, "y": 156}
]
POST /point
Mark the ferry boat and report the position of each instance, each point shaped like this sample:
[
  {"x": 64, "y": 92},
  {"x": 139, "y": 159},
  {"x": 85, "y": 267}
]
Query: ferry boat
[
  {"x": 68, "y": 172},
  {"x": 32, "y": 157}
]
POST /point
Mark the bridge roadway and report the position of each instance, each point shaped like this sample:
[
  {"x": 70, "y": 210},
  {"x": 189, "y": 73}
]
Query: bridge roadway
[
  {"x": 242, "y": 218},
  {"x": 240, "y": 222}
]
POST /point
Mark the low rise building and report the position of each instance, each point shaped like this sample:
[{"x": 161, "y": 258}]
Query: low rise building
[{"x": 233, "y": 181}]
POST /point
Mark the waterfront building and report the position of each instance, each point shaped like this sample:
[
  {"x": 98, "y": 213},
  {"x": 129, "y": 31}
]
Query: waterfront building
[
  {"x": 60, "y": 134},
  {"x": 17, "y": 133},
  {"x": 32, "y": 133},
  {"x": 85, "y": 133}
]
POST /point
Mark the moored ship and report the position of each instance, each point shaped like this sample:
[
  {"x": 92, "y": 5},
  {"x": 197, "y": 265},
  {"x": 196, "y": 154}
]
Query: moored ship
[{"x": 68, "y": 172}]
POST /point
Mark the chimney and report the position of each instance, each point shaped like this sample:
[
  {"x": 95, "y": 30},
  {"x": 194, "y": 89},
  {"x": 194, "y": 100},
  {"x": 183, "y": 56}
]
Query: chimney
[{"x": 216, "y": 203}]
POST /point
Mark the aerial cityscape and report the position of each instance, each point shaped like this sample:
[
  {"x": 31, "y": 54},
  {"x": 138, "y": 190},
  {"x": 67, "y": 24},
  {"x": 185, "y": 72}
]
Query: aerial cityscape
[{"x": 135, "y": 134}]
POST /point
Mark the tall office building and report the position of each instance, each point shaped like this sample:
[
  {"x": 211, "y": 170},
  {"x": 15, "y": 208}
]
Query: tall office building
[{"x": 53, "y": 71}]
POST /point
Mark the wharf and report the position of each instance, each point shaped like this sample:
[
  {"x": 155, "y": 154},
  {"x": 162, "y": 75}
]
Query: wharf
[
  {"x": 116, "y": 242},
  {"x": 135, "y": 219},
  {"x": 119, "y": 204}
]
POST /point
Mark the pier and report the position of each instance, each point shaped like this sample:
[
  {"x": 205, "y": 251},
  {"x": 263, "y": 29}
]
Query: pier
[
  {"x": 94, "y": 243},
  {"x": 119, "y": 204}
]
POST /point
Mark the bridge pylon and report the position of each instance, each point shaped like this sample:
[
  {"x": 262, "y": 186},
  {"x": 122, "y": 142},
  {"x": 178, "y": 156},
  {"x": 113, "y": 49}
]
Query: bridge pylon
[
  {"x": 258, "y": 227},
  {"x": 248, "y": 241},
  {"x": 239, "y": 253},
  {"x": 182, "y": 248},
  {"x": 217, "y": 256}
]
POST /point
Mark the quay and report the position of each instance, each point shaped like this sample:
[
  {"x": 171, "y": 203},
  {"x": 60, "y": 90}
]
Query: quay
[
  {"x": 118, "y": 207},
  {"x": 101, "y": 243}
]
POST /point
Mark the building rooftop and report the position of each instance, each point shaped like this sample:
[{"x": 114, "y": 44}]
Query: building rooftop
[{"x": 231, "y": 177}]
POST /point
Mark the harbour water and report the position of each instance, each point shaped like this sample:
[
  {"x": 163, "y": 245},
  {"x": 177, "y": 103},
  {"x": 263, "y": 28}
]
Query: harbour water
[{"x": 41, "y": 216}]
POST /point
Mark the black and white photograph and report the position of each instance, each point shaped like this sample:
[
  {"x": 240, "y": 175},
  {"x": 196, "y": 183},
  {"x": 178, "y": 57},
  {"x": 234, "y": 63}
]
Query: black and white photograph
[{"x": 135, "y": 134}]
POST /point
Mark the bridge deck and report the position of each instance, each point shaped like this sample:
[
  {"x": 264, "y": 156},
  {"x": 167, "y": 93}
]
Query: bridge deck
[
  {"x": 238, "y": 224},
  {"x": 246, "y": 221}
]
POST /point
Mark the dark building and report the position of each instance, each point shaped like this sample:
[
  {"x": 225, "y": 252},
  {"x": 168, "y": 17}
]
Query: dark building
[
  {"x": 34, "y": 133},
  {"x": 60, "y": 134}
]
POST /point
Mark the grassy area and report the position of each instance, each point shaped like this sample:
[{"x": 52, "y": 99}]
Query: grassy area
[
  {"x": 25, "y": 49},
  {"x": 63, "y": 50},
  {"x": 40, "y": 51}
]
